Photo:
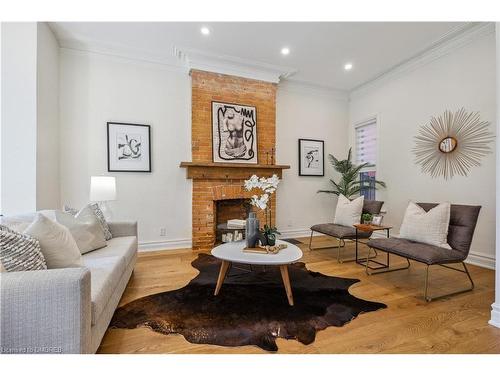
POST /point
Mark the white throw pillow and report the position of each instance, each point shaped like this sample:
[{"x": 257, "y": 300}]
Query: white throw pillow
[
  {"x": 427, "y": 227},
  {"x": 96, "y": 211},
  {"x": 85, "y": 229},
  {"x": 57, "y": 244},
  {"x": 348, "y": 212}
]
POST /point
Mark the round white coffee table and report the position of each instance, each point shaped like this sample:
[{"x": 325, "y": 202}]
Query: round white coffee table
[{"x": 232, "y": 252}]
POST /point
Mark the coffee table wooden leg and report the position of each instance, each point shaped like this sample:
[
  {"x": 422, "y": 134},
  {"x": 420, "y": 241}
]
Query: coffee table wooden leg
[
  {"x": 286, "y": 282},
  {"x": 222, "y": 275}
]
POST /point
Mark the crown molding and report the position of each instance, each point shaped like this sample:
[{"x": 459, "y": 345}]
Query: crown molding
[
  {"x": 292, "y": 85},
  {"x": 210, "y": 62},
  {"x": 455, "y": 39},
  {"x": 120, "y": 52}
]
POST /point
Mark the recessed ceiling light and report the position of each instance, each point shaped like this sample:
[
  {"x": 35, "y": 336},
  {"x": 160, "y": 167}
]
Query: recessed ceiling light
[
  {"x": 205, "y": 30},
  {"x": 285, "y": 51},
  {"x": 348, "y": 66}
]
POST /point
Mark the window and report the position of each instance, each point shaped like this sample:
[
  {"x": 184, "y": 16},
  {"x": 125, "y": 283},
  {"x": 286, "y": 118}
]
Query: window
[
  {"x": 366, "y": 152},
  {"x": 367, "y": 184},
  {"x": 366, "y": 142}
]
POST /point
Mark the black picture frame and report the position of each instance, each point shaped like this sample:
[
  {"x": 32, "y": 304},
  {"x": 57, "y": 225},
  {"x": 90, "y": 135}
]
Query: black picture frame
[
  {"x": 256, "y": 145},
  {"x": 301, "y": 173},
  {"x": 110, "y": 123}
]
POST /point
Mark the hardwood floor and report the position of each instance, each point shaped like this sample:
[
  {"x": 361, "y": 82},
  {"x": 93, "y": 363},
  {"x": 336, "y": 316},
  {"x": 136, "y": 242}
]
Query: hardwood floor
[{"x": 456, "y": 324}]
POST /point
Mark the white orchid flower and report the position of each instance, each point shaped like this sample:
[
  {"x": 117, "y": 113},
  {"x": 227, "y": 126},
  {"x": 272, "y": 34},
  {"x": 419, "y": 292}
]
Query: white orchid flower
[
  {"x": 273, "y": 181},
  {"x": 252, "y": 182},
  {"x": 268, "y": 187}
]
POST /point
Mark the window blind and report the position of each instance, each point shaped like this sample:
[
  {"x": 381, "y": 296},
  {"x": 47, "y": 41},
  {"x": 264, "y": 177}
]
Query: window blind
[{"x": 366, "y": 142}]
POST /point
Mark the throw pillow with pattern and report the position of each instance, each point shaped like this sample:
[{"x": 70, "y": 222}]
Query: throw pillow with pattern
[
  {"x": 102, "y": 220},
  {"x": 97, "y": 212},
  {"x": 20, "y": 252}
]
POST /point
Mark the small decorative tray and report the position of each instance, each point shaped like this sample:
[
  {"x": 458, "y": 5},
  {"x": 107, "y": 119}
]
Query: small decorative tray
[{"x": 265, "y": 249}]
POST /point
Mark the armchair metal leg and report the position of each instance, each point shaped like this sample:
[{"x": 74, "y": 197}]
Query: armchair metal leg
[
  {"x": 426, "y": 285},
  {"x": 382, "y": 267},
  {"x": 341, "y": 243},
  {"x": 355, "y": 259},
  {"x": 338, "y": 250}
]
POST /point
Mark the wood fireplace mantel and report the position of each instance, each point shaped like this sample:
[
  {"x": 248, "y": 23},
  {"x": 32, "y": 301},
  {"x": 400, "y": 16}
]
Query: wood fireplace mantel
[{"x": 208, "y": 171}]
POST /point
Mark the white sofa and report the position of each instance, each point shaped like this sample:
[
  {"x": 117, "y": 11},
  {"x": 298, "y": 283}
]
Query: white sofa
[{"x": 67, "y": 310}]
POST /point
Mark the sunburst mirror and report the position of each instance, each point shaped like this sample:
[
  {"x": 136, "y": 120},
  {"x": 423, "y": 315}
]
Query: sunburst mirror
[{"x": 452, "y": 143}]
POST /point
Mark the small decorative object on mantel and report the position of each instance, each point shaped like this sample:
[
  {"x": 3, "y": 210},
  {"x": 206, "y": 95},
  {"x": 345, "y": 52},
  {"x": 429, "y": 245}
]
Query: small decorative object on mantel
[
  {"x": 311, "y": 157},
  {"x": 129, "y": 147},
  {"x": 264, "y": 202},
  {"x": 452, "y": 143},
  {"x": 234, "y": 133}
]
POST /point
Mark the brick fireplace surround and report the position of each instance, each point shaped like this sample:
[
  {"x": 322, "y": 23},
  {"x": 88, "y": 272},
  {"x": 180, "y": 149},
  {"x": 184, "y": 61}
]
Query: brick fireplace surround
[{"x": 219, "y": 181}]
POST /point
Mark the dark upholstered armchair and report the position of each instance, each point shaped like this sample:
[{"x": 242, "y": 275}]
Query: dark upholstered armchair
[
  {"x": 463, "y": 221},
  {"x": 342, "y": 233}
]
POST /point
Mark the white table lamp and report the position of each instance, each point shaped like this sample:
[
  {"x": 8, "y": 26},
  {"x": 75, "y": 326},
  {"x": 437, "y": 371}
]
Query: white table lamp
[{"x": 103, "y": 189}]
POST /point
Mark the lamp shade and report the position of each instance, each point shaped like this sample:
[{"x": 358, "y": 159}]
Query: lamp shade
[{"x": 102, "y": 188}]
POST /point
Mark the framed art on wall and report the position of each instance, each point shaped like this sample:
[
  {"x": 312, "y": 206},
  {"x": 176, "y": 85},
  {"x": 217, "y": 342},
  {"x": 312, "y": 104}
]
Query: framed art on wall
[
  {"x": 234, "y": 133},
  {"x": 311, "y": 157},
  {"x": 129, "y": 147}
]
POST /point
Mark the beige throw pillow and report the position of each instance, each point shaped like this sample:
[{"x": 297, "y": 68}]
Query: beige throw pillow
[
  {"x": 427, "y": 227},
  {"x": 348, "y": 212},
  {"x": 57, "y": 244},
  {"x": 85, "y": 229}
]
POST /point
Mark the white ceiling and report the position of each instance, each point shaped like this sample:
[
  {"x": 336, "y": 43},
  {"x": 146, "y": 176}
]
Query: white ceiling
[{"x": 317, "y": 50}]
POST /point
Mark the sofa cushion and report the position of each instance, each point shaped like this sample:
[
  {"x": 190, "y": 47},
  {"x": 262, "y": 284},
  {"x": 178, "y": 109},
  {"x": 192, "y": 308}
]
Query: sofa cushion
[
  {"x": 339, "y": 231},
  {"x": 125, "y": 247},
  {"x": 105, "y": 274},
  {"x": 86, "y": 231},
  {"x": 19, "y": 223},
  {"x": 92, "y": 209},
  {"x": 418, "y": 251},
  {"x": 56, "y": 242}
]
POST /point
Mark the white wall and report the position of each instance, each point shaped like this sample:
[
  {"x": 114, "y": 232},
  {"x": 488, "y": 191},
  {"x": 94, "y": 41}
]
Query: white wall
[
  {"x": 47, "y": 178},
  {"x": 463, "y": 78},
  {"x": 303, "y": 112},
  {"x": 19, "y": 117},
  {"x": 95, "y": 89},
  {"x": 495, "y": 307}
]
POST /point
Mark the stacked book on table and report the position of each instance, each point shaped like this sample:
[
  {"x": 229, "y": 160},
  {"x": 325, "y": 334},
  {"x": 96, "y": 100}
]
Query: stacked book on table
[
  {"x": 238, "y": 227},
  {"x": 236, "y": 224}
]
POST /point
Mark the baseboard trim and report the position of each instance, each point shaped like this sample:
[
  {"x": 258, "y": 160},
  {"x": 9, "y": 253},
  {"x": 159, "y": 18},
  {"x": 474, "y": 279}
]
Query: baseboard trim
[
  {"x": 175, "y": 244},
  {"x": 480, "y": 260},
  {"x": 297, "y": 233},
  {"x": 495, "y": 315}
]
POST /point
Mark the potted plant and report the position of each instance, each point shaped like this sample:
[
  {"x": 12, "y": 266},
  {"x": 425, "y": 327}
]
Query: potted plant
[
  {"x": 349, "y": 184},
  {"x": 269, "y": 234},
  {"x": 263, "y": 201},
  {"x": 366, "y": 218}
]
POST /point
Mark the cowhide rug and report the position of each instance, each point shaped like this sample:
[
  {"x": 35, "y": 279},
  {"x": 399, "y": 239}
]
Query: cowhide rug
[{"x": 251, "y": 308}]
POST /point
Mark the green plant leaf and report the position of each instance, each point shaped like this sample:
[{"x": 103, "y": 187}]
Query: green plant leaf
[{"x": 349, "y": 183}]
